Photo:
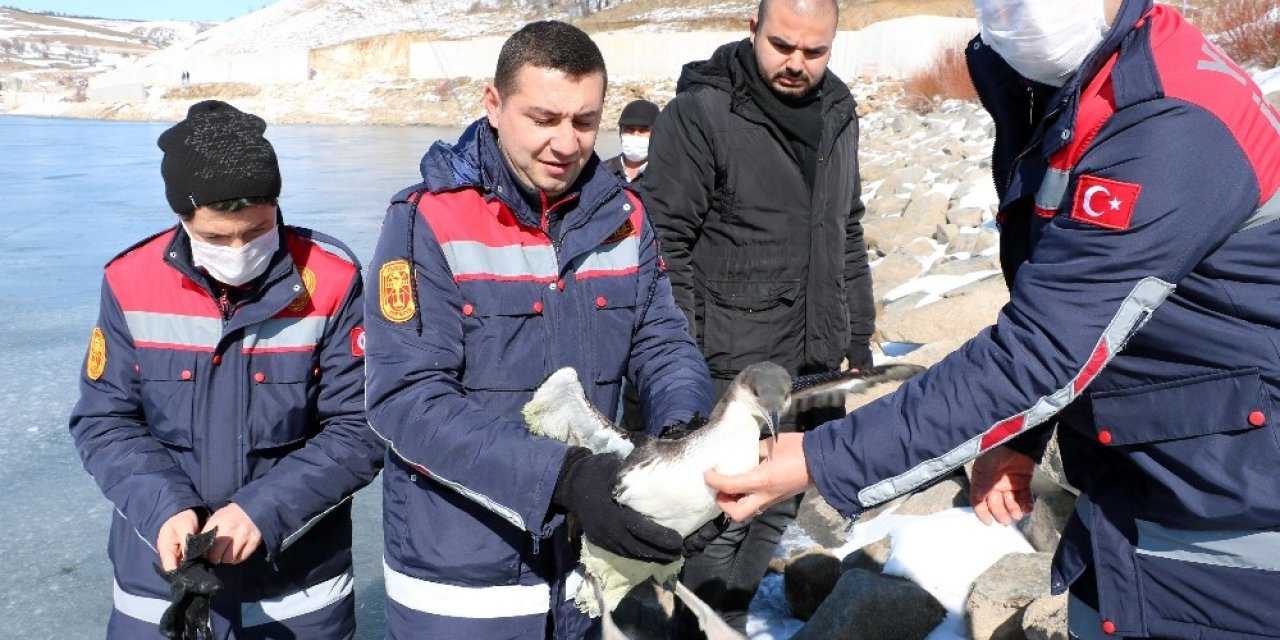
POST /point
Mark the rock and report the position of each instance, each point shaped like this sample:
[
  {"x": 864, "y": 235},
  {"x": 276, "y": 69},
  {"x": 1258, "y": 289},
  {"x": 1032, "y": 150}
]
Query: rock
[
  {"x": 933, "y": 352},
  {"x": 974, "y": 243},
  {"x": 953, "y": 266},
  {"x": 884, "y": 204},
  {"x": 942, "y": 495},
  {"x": 1049, "y": 515},
  {"x": 1051, "y": 466},
  {"x": 904, "y": 179},
  {"x": 1046, "y": 618},
  {"x": 897, "y": 267},
  {"x": 926, "y": 211},
  {"x": 920, "y": 248},
  {"x": 821, "y": 521},
  {"x": 965, "y": 217},
  {"x": 946, "y": 233},
  {"x": 961, "y": 313},
  {"x": 886, "y": 234},
  {"x": 869, "y": 558},
  {"x": 1002, "y": 592},
  {"x": 808, "y": 579},
  {"x": 870, "y": 606}
]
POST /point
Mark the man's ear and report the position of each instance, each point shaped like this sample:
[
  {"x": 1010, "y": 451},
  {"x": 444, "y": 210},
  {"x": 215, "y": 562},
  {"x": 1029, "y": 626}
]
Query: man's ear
[
  {"x": 492, "y": 104},
  {"x": 753, "y": 24}
]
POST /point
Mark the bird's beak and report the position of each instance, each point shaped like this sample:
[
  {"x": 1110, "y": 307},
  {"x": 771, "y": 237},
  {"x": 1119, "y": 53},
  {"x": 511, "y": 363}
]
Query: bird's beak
[{"x": 773, "y": 425}]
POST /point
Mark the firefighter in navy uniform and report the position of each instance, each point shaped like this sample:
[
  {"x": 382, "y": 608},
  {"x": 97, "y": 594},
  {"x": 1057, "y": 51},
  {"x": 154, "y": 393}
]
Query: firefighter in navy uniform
[
  {"x": 517, "y": 254},
  {"x": 1139, "y": 229},
  {"x": 223, "y": 389}
]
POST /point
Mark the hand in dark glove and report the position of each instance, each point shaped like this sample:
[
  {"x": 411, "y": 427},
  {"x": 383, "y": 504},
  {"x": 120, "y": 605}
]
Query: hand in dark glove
[
  {"x": 695, "y": 542},
  {"x": 859, "y": 354},
  {"x": 585, "y": 489},
  {"x": 192, "y": 585}
]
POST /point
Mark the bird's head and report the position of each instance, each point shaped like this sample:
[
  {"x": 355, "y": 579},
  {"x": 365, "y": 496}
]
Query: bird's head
[{"x": 767, "y": 387}]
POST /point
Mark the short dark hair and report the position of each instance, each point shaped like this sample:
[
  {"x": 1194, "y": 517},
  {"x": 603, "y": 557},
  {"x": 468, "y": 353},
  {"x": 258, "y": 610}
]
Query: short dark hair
[
  {"x": 764, "y": 8},
  {"x": 547, "y": 44},
  {"x": 229, "y": 206}
]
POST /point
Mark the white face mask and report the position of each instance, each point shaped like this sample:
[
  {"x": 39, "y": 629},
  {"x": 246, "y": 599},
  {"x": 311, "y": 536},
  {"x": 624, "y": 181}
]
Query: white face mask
[
  {"x": 235, "y": 266},
  {"x": 635, "y": 148},
  {"x": 1044, "y": 40}
]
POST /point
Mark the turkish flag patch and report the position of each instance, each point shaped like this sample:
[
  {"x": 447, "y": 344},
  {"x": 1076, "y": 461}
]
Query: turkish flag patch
[
  {"x": 357, "y": 342},
  {"x": 1105, "y": 203}
]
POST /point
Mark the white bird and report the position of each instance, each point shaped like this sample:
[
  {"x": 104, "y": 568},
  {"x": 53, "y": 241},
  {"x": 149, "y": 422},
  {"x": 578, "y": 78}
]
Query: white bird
[{"x": 662, "y": 478}]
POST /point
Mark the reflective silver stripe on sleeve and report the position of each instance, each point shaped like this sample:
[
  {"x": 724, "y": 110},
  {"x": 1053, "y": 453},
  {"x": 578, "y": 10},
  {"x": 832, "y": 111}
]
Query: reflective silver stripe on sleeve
[
  {"x": 1268, "y": 212},
  {"x": 619, "y": 257},
  {"x": 473, "y": 260},
  {"x": 437, "y": 598},
  {"x": 196, "y": 332},
  {"x": 253, "y": 614},
  {"x": 1134, "y": 312},
  {"x": 1238, "y": 549},
  {"x": 281, "y": 334},
  {"x": 293, "y": 537},
  {"x": 479, "y": 498},
  {"x": 299, "y": 603},
  {"x": 1052, "y": 189}
]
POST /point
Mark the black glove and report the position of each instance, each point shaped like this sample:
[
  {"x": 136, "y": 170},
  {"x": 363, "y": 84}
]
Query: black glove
[
  {"x": 192, "y": 585},
  {"x": 859, "y": 354},
  {"x": 695, "y": 542},
  {"x": 585, "y": 489}
]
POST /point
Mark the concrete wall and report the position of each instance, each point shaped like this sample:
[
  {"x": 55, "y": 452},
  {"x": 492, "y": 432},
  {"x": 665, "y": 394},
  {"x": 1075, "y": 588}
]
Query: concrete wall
[
  {"x": 894, "y": 48},
  {"x": 119, "y": 90},
  {"x": 254, "y": 68}
]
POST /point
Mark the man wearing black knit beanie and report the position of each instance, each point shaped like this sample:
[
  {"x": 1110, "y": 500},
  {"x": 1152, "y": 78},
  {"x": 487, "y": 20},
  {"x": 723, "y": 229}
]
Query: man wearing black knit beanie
[{"x": 222, "y": 404}]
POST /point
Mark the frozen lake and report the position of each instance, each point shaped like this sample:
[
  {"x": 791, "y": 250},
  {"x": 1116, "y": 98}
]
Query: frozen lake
[{"x": 74, "y": 193}]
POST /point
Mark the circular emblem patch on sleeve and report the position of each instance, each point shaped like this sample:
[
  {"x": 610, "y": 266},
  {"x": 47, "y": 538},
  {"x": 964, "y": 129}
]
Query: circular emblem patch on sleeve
[
  {"x": 395, "y": 291},
  {"x": 96, "y": 363}
]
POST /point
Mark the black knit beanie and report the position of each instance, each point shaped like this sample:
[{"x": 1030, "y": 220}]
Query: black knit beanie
[{"x": 217, "y": 153}]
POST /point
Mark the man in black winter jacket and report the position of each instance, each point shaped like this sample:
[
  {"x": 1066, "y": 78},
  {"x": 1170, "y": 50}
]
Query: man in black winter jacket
[{"x": 753, "y": 187}]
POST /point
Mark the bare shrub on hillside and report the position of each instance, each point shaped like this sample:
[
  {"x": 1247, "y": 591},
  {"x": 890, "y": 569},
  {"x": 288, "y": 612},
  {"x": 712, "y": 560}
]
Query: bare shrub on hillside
[
  {"x": 948, "y": 78},
  {"x": 1248, "y": 30},
  {"x": 213, "y": 90}
]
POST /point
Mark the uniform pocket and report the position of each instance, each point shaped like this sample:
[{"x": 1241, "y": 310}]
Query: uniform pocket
[
  {"x": 747, "y": 322},
  {"x": 505, "y": 342},
  {"x": 1204, "y": 444},
  {"x": 613, "y": 322},
  {"x": 167, "y": 384},
  {"x": 280, "y": 400}
]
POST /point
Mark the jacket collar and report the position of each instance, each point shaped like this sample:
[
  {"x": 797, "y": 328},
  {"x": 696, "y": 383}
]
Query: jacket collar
[
  {"x": 1133, "y": 77},
  {"x": 476, "y": 162},
  {"x": 265, "y": 289}
]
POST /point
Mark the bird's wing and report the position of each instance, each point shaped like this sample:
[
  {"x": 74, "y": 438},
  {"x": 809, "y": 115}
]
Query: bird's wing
[
  {"x": 832, "y": 388},
  {"x": 559, "y": 409},
  {"x": 713, "y": 626}
]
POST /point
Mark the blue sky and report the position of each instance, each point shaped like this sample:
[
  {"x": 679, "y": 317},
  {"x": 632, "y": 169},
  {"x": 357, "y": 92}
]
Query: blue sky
[{"x": 192, "y": 11}]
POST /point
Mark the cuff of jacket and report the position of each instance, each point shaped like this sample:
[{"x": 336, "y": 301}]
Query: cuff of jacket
[
  {"x": 265, "y": 517},
  {"x": 149, "y": 528},
  {"x": 835, "y": 490},
  {"x": 1032, "y": 443}
]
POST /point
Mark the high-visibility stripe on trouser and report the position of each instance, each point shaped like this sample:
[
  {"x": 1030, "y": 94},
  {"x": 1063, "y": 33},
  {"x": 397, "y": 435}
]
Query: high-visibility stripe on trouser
[{"x": 252, "y": 614}]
